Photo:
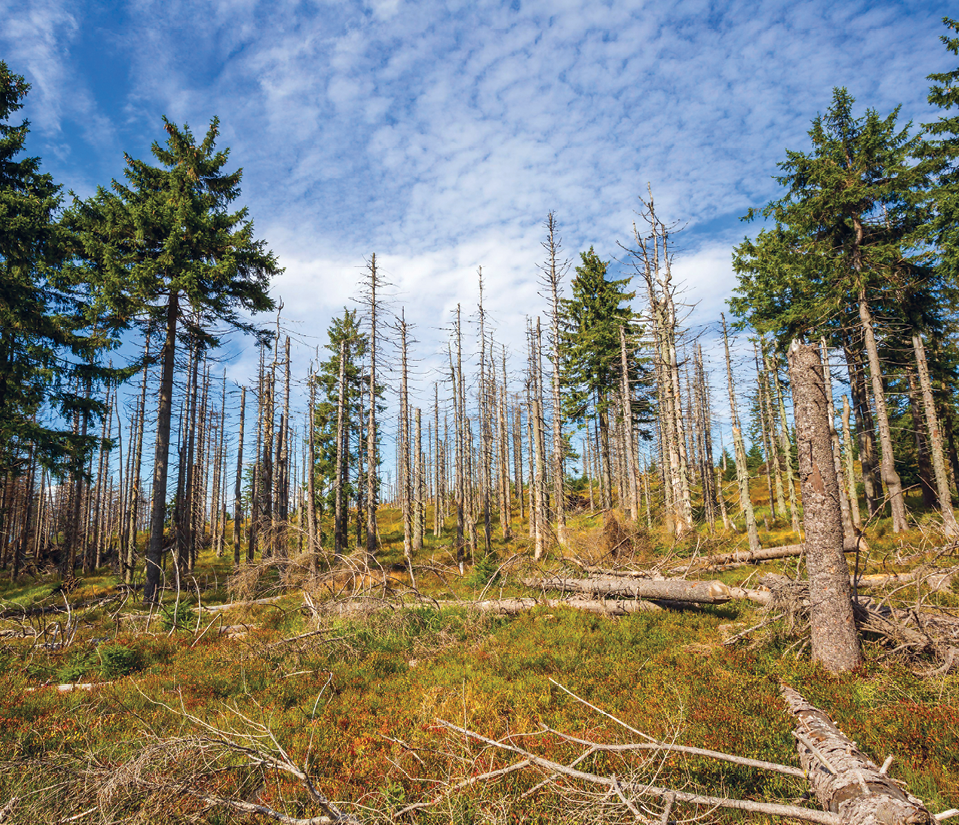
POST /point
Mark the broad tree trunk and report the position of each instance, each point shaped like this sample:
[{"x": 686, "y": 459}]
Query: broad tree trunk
[{"x": 834, "y": 639}]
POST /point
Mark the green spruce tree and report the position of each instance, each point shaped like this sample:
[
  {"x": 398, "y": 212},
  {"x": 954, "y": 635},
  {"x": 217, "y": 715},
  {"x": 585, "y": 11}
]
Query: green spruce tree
[{"x": 175, "y": 253}]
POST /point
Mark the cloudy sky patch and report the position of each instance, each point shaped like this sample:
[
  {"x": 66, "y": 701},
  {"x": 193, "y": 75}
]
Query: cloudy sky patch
[{"x": 439, "y": 135}]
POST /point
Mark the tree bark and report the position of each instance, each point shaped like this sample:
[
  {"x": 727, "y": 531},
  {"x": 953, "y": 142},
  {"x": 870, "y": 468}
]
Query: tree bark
[
  {"x": 677, "y": 590},
  {"x": 834, "y": 639},
  {"x": 843, "y": 779}
]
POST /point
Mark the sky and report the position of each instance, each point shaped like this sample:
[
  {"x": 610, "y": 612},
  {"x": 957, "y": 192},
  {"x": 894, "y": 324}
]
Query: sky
[{"x": 440, "y": 135}]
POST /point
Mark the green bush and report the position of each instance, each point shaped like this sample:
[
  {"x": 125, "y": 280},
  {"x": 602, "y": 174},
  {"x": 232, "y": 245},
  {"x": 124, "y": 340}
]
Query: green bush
[
  {"x": 117, "y": 660},
  {"x": 485, "y": 571},
  {"x": 179, "y": 616},
  {"x": 78, "y": 665}
]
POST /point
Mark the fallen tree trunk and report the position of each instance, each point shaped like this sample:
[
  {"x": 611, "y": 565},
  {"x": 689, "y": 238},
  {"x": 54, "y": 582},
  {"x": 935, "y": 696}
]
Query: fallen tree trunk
[
  {"x": 675, "y": 590},
  {"x": 843, "y": 778},
  {"x": 934, "y": 580},
  {"x": 605, "y": 607},
  {"x": 742, "y": 557},
  {"x": 504, "y": 607}
]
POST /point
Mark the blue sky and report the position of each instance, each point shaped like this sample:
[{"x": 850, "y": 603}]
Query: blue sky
[{"x": 439, "y": 135}]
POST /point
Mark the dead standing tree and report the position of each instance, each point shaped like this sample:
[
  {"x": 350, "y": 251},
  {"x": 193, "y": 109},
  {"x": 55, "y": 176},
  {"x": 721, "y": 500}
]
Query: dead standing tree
[
  {"x": 554, "y": 269},
  {"x": 652, "y": 259},
  {"x": 742, "y": 472}
]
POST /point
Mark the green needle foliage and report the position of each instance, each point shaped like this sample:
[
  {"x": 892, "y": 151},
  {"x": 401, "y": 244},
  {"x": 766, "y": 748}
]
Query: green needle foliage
[
  {"x": 168, "y": 250},
  {"x": 941, "y": 150},
  {"x": 851, "y": 215},
  {"x": 51, "y": 338},
  {"x": 591, "y": 321}
]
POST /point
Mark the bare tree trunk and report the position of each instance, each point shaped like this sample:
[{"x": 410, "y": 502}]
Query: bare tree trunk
[
  {"x": 504, "y": 497},
  {"x": 460, "y": 427},
  {"x": 871, "y": 482},
  {"x": 283, "y": 460},
  {"x": 742, "y": 472},
  {"x": 419, "y": 508},
  {"x": 786, "y": 448},
  {"x": 847, "y": 526},
  {"x": 518, "y": 460},
  {"x": 313, "y": 545},
  {"x": 339, "y": 510},
  {"x": 764, "y": 430},
  {"x": 404, "y": 472},
  {"x": 554, "y": 270},
  {"x": 629, "y": 443},
  {"x": 372, "y": 464},
  {"x": 935, "y": 438},
  {"x": 850, "y": 471},
  {"x": 889, "y": 474},
  {"x": 439, "y": 494},
  {"x": 238, "y": 489},
  {"x": 834, "y": 639},
  {"x": 162, "y": 455},
  {"x": 921, "y": 439}
]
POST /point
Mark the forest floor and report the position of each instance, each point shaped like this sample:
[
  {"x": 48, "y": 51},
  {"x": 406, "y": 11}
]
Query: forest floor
[{"x": 171, "y": 712}]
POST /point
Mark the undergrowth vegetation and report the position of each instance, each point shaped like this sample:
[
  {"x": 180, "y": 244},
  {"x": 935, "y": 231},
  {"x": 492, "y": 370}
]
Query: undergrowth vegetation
[{"x": 357, "y": 694}]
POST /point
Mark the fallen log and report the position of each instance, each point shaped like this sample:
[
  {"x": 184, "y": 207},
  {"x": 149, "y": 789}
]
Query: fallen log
[
  {"x": 935, "y": 580},
  {"x": 738, "y": 558},
  {"x": 503, "y": 607},
  {"x": 676, "y": 590},
  {"x": 605, "y": 607},
  {"x": 843, "y": 779}
]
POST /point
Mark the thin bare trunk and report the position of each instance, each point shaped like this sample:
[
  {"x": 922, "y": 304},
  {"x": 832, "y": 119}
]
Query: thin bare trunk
[{"x": 935, "y": 440}]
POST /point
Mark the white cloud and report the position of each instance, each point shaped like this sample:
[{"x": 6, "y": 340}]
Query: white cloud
[{"x": 439, "y": 135}]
